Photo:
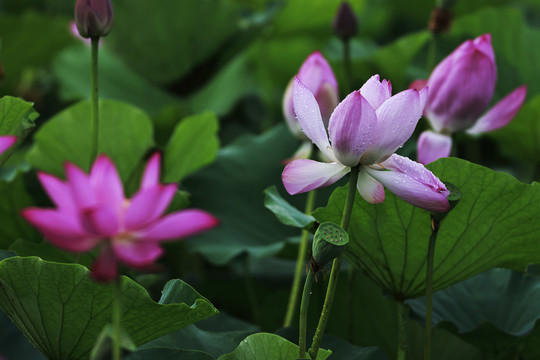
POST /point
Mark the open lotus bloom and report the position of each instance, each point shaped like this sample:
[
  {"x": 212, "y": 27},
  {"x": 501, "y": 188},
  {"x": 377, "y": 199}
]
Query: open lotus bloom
[
  {"x": 6, "y": 141},
  {"x": 317, "y": 75},
  {"x": 91, "y": 210},
  {"x": 460, "y": 89},
  {"x": 365, "y": 130}
]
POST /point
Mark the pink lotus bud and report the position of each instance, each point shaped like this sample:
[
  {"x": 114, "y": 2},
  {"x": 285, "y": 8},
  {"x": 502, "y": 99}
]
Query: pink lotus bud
[
  {"x": 462, "y": 85},
  {"x": 94, "y": 18},
  {"x": 345, "y": 23},
  {"x": 317, "y": 76}
]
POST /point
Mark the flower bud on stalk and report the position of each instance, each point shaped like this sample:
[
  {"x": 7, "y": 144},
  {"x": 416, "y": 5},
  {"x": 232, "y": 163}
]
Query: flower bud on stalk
[
  {"x": 94, "y": 18},
  {"x": 345, "y": 23}
]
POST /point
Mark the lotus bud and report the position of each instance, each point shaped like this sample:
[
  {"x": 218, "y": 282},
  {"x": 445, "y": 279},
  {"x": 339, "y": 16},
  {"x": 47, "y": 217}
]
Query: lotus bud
[
  {"x": 345, "y": 23},
  {"x": 94, "y": 18}
]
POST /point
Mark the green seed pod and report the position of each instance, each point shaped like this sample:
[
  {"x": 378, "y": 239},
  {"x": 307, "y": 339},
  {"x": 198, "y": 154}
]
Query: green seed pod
[{"x": 329, "y": 242}]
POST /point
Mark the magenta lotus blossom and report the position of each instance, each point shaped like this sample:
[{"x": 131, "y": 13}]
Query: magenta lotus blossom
[
  {"x": 94, "y": 18},
  {"x": 365, "y": 130},
  {"x": 317, "y": 75},
  {"x": 6, "y": 141},
  {"x": 460, "y": 90},
  {"x": 91, "y": 210}
]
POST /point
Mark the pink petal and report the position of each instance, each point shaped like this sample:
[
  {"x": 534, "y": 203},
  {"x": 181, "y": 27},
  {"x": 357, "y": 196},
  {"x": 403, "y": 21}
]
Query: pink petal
[
  {"x": 147, "y": 205},
  {"x": 62, "y": 229},
  {"x": 418, "y": 84},
  {"x": 432, "y": 146},
  {"x": 59, "y": 192},
  {"x": 351, "y": 128},
  {"x": 413, "y": 183},
  {"x": 309, "y": 117},
  {"x": 80, "y": 186},
  {"x": 396, "y": 121},
  {"x": 376, "y": 92},
  {"x": 502, "y": 113},
  {"x": 179, "y": 225},
  {"x": 6, "y": 142},
  {"x": 288, "y": 113},
  {"x": 137, "y": 253},
  {"x": 151, "y": 172},
  {"x": 315, "y": 71},
  {"x": 483, "y": 44},
  {"x": 104, "y": 268},
  {"x": 370, "y": 189},
  {"x": 106, "y": 183},
  {"x": 327, "y": 98},
  {"x": 304, "y": 175},
  {"x": 101, "y": 221}
]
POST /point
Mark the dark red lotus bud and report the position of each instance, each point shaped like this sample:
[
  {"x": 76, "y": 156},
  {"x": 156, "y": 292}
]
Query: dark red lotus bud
[
  {"x": 93, "y": 18},
  {"x": 440, "y": 20},
  {"x": 345, "y": 22}
]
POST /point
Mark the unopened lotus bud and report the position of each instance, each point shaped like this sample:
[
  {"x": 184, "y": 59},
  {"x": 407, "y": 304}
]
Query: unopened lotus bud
[
  {"x": 329, "y": 242},
  {"x": 94, "y": 18},
  {"x": 345, "y": 22}
]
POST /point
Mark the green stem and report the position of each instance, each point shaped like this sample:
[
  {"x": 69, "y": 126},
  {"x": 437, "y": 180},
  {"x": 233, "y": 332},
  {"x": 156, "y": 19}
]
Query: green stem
[
  {"x": 94, "y": 110},
  {"x": 429, "y": 286},
  {"x": 116, "y": 320},
  {"x": 300, "y": 263},
  {"x": 250, "y": 289},
  {"x": 303, "y": 315},
  {"x": 402, "y": 314},
  {"x": 348, "y": 67},
  {"x": 432, "y": 53},
  {"x": 332, "y": 284},
  {"x": 350, "y": 302}
]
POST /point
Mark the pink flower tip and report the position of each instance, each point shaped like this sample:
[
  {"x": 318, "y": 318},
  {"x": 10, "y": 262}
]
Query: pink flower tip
[{"x": 6, "y": 141}]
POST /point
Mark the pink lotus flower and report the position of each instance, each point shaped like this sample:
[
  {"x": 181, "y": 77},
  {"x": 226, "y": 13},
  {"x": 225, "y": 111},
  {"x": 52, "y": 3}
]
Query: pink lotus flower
[
  {"x": 93, "y": 211},
  {"x": 94, "y": 18},
  {"x": 460, "y": 90},
  {"x": 317, "y": 75},
  {"x": 365, "y": 129},
  {"x": 6, "y": 141}
]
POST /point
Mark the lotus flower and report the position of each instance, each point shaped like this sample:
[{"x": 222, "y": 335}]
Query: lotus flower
[
  {"x": 94, "y": 18},
  {"x": 317, "y": 75},
  {"x": 6, "y": 141},
  {"x": 91, "y": 210},
  {"x": 365, "y": 130},
  {"x": 460, "y": 90}
]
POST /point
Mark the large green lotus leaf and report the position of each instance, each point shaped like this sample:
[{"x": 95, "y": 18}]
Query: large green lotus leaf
[
  {"x": 517, "y": 60},
  {"x": 125, "y": 135},
  {"x": 182, "y": 33},
  {"x": 265, "y": 346},
  {"x": 193, "y": 144},
  {"x": 28, "y": 41},
  {"x": 232, "y": 189},
  {"x": 494, "y": 310},
  {"x": 116, "y": 80},
  {"x": 526, "y": 128},
  {"x": 210, "y": 338},
  {"x": 16, "y": 118},
  {"x": 494, "y": 224},
  {"x": 62, "y": 311}
]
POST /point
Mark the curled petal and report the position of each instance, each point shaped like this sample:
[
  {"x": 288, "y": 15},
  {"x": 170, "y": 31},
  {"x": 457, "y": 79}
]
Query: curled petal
[
  {"x": 6, "y": 142},
  {"x": 104, "y": 267},
  {"x": 151, "y": 172},
  {"x": 147, "y": 205},
  {"x": 396, "y": 121},
  {"x": 59, "y": 192},
  {"x": 370, "y": 189},
  {"x": 502, "y": 113},
  {"x": 309, "y": 117},
  {"x": 351, "y": 128},
  {"x": 376, "y": 92},
  {"x": 304, "y": 175},
  {"x": 106, "y": 183},
  {"x": 178, "y": 225},
  {"x": 136, "y": 253},
  {"x": 63, "y": 229},
  {"x": 413, "y": 183},
  {"x": 432, "y": 146}
]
